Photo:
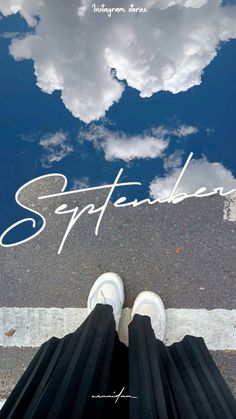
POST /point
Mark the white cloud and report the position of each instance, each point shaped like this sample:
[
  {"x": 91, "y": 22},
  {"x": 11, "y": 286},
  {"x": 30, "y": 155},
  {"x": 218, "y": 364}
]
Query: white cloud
[
  {"x": 28, "y": 9},
  {"x": 56, "y": 147},
  {"x": 184, "y": 130},
  {"x": 198, "y": 174},
  {"x": 173, "y": 160},
  {"x": 118, "y": 145},
  {"x": 74, "y": 49},
  {"x": 10, "y": 35},
  {"x": 80, "y": 183}
]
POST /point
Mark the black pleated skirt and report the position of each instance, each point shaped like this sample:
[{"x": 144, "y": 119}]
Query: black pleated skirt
[{"x": 90, "y": 374}]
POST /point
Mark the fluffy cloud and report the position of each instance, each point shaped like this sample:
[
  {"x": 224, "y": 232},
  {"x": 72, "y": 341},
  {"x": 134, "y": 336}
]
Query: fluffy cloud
[
  {"x": 87, "y": 55},
  {"x": 184, "y": 130},
  {"x": 118, "y": 145},
  {"x": 56, "y": 147},
  {"x": 27, "y": 9},
  {"x": 199, "y": 173}
]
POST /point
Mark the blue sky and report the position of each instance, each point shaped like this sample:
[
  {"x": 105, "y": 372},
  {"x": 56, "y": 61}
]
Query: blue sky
[{"x": 28, "y": 115}]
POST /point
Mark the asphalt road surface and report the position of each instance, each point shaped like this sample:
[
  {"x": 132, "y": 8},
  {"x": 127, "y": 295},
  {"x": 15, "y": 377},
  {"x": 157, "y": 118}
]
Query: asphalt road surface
[{"x": 185, "y": 252}]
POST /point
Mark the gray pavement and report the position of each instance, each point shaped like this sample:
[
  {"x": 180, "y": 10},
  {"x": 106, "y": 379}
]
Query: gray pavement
[{"x": 138, "y": 243}]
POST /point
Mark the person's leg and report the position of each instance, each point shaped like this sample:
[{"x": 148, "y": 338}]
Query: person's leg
[
  {"x": 66, "y": 373},
  {"x": 118, "y": 383},
  {"x": 147, "y": 376},
  {"x": 83, "y": 370},
  {"x": 147, "y": 381},
  {"x": 180, "y": 381}
]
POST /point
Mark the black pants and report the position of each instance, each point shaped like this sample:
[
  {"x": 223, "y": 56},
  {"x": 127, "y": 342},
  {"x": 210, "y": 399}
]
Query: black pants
[{"x": 68, "y": 376}]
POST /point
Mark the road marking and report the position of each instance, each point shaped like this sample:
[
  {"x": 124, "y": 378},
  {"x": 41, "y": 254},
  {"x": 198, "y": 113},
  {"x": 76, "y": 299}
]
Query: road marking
[
  {"x": 230, "y": 208},
  {"x": 2, "y": 403},
  {"x": 30, "y": 327}
]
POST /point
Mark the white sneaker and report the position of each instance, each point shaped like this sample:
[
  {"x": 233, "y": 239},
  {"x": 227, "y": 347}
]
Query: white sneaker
[
  {"x": 107, "y": 289},
  {"x": 147, "y": 303}
]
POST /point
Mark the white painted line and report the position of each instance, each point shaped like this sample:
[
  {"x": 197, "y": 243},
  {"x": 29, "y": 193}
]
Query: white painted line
[
  {"x": 2, "y": 403},
  {"x": 30, "y": 327},
  {"x": 230, "y": 208}
]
